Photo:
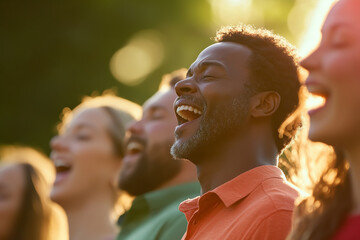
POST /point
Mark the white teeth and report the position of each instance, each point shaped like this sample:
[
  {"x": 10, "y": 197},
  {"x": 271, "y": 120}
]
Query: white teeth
[
  {"x": 61, "y": 164},
  {"x": 134, "y": 146},
  {"x": 187, "y": 108}
]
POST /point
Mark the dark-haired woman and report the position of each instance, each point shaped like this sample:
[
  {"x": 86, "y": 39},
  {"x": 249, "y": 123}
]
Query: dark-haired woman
[
  {"x": 333, "y": 210},
  {"x": 25, "y": 208}
]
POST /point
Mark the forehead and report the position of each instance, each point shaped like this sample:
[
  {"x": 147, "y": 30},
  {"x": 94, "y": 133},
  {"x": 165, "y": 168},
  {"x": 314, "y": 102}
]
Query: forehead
[
  {"x": 233, "y": 56},
  {"x": 345, "y": 12},
  {"x": 89, "y": 116},
  {"x": 161, "y": 99},
  {"x": 12, "y": 175}
]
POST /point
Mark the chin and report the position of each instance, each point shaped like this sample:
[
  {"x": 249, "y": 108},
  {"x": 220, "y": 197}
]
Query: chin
[
  {"x": 54, "y": 195},
  {"x": 323, "y": 136},
  {"x": 57, "y": 196}
]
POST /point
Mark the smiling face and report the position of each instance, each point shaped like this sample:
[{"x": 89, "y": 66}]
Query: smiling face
[
  {"x": 213, "y": 100},
  {"x": 147, "y": 162},
  {"x": 85, "y": 159},
  {"x": 12, "y": 187},
  {"x": 334, "y": 73}
]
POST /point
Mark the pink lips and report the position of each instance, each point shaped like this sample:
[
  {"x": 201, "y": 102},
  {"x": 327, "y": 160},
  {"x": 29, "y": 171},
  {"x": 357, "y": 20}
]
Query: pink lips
[{"x": 61, "y": 176}]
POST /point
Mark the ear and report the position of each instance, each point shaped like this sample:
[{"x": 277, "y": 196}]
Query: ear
[{"x": 264, "y": 104}]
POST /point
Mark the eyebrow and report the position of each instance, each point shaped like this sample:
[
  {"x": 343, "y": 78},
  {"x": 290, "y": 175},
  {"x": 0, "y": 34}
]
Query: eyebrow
[
  {"x": 336, "y": 26},
  {"x": 156, "y": 107},
  {"x": 206, "y": 63},
  {"x": 81, "y": 126}
]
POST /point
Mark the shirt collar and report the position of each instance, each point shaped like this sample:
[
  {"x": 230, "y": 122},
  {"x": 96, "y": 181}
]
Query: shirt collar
[
  {"x": 242, "y": 185},
  {"x": 160, "y": 198}
]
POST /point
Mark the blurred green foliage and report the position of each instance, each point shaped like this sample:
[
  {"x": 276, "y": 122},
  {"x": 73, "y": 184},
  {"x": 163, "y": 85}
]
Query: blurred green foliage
[{"x": 52, "y": 53}]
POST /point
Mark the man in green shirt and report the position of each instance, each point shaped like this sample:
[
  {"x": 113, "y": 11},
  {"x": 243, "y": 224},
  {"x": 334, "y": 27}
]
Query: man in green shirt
[{"x": 149, "y": 173}]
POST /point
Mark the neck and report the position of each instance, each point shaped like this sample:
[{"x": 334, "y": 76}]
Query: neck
[
  {"x": 186, "y": 174},
  {"x": 353, "y": 156},
  {"x": 91, "y": 219},
  {"x": 231, "y": 158}
]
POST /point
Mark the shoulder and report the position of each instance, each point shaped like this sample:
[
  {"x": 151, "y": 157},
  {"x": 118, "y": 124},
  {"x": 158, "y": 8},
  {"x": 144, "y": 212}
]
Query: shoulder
[
  {"x": 174, "y": 223},
  {"x": 276, "y": 225},
  {"x": 279, "y": 194}
]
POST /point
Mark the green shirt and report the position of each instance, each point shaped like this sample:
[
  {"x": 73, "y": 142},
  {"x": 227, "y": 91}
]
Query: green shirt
[{"x": 155, "y": 215}]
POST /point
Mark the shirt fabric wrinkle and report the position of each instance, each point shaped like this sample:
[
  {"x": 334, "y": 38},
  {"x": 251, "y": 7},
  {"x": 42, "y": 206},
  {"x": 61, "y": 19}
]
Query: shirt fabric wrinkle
[{"x": 235, "y": 209}]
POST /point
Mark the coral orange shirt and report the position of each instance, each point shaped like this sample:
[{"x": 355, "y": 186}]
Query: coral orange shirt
[{"x": 257, "y": 204}]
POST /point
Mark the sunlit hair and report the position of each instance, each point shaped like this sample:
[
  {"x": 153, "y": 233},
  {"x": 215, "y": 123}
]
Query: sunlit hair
[
  {"x": 38, "y": 218},
  {"x": 321, "y": 171},
  {"x": 169, "y": 80},
  {"x": 330, "y": 200},
  {"x": 273, "y": 67},
  {"x": 120, "y": 110}
]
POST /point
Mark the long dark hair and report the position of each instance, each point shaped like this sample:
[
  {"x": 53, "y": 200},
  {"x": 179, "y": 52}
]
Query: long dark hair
[
  {"x": 321, "y": 214},
  {"x": 34, "y": 214},
  {"x": 38, "y": 218}
]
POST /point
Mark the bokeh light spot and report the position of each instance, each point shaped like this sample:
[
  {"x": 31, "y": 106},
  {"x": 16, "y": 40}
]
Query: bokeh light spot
[
  {"x": 231, "y": 11},
  {"x": 142, "y": 55}
]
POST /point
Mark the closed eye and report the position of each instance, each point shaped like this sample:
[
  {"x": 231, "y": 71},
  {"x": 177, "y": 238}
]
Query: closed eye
[
  {"x": 207, "y": 78},
  {"x": 83, "y": 137}
]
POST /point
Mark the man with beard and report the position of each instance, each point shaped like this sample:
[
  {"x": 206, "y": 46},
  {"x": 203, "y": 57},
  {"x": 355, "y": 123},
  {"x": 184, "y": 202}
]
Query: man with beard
[
  {"x": 237, "y": 95},
  {"x": 149, "y": 172}
]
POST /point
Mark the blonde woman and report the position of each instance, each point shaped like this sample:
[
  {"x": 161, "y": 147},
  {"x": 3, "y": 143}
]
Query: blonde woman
[
  {"x": 87, "y": 155},
  {"x": 333, "y": 209}
]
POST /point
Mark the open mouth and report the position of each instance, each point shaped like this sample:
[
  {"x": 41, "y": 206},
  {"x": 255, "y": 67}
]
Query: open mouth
[
  {"x": 134, "y": 147},
  {"x": 186, "y": 113},
  {"x": 62, "y": 170},
  {"x": 62, "y": 167},
  {"x": 319, "y": 95}
]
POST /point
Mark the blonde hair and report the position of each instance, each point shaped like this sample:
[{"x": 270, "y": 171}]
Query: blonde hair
[{"x": 122, "y": 113}]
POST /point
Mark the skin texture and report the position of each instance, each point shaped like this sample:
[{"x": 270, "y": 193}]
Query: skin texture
[
  {"x": 87, "y": 147},
  {"x": 234, "y": 122},
  {"x": 334, "y": 72},
  {"x": 151, "y": 166},
  {"x": 12, "y": 186},
  {"x": 86, "y": 192}
]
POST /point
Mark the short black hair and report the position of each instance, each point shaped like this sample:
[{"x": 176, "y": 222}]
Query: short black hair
[{"x": 273, "y": 67}]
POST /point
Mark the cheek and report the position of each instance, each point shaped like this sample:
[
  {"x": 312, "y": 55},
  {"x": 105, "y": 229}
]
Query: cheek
[
  {"x": 93, "y": 161},
  {"x": 8, "y": 212},
  {"x": 342, "y": 65},
  {"x": 161, "y": 130}
]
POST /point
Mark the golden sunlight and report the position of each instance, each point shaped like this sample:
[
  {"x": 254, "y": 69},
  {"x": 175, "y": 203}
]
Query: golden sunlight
[
  {"x": 313, "y": 102},
  {"x": 230, "y": 11},
  {"x": 142, "y": 55},
  {"x": 314, "y": 21}
]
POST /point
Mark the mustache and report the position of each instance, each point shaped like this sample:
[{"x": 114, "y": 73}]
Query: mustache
[{"x": 196, "y": 101}]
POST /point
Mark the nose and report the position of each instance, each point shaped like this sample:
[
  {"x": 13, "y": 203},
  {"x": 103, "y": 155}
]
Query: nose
[
  {"x": 185, "y": 86},
  {"x": 135, "y": 127},
  {"x": 57, "y": 143},
  {"x": 312, "y": 61}
]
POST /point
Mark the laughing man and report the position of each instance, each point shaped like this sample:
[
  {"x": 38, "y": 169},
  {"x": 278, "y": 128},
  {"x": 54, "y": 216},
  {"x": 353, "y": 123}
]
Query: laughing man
[{"x": 237, "y": 94}]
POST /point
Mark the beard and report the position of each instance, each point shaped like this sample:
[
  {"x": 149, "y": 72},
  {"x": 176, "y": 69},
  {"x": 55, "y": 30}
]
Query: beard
[
  {"x": 215, "y": 128},
  {"x": 152, "y": 169}
]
